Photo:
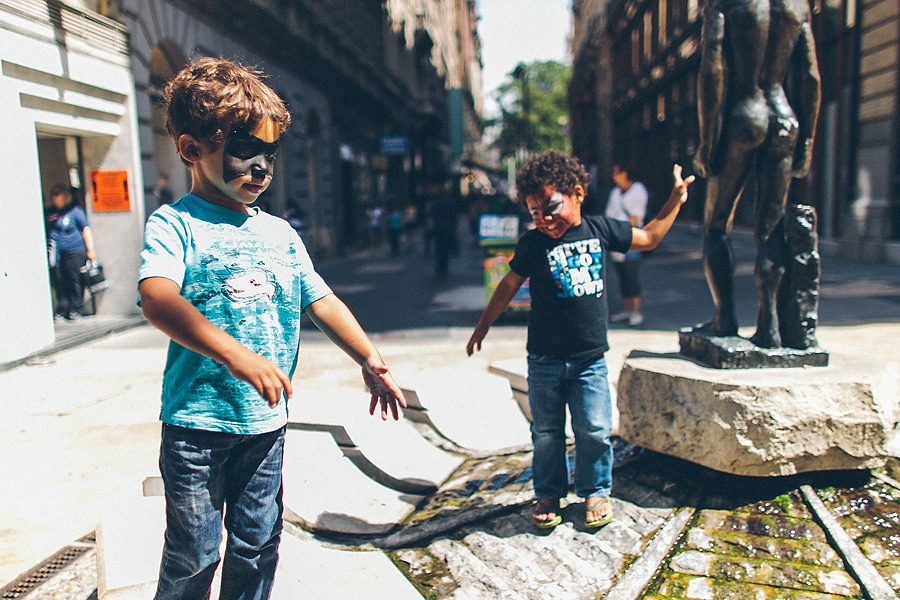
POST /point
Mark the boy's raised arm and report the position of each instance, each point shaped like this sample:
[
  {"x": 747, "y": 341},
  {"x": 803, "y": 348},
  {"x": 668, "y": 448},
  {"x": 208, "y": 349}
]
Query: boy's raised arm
[
  {"x": 335, "y": 320},
  {"x": 165, "y": 308}
]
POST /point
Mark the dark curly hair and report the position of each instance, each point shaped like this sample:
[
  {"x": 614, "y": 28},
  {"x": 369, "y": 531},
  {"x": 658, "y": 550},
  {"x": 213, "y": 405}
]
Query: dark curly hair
[{"x": 555, "y": 169}]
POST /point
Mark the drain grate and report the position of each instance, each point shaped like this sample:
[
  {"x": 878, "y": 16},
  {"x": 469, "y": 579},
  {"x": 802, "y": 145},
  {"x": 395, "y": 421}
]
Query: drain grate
[{"x": 35, "y": 577}]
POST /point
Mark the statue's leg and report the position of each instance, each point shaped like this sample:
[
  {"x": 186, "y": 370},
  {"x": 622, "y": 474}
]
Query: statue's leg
[
  {"x": 773, "y": 182},
  {"x": 718, "y": 266},
  {"x": 744, "y": 132}
]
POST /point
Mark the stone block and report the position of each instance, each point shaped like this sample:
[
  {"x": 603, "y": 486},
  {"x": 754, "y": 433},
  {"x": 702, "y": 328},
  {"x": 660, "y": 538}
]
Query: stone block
[
  {"x": 762, "y": 422},
  {"x": 326, "y": 492},
  {"x": 471, "y": 408}
]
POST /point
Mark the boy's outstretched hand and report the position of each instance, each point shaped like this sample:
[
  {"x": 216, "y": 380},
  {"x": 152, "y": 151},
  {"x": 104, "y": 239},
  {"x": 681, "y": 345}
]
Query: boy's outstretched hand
[
  {"x": 680, "y": 186},
  {"x": 383, "y": 389}
]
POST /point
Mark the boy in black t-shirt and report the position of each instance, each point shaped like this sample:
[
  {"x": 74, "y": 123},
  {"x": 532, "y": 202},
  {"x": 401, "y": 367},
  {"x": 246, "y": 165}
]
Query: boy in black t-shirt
[{"x": 564, "y": 257}]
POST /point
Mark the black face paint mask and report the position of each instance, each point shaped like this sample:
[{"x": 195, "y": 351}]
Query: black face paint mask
[{"x": 246, "y": 154}]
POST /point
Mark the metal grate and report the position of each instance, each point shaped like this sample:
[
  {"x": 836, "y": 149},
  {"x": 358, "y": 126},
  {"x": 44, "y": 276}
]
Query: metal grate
[{"x": 30, "y": 580}]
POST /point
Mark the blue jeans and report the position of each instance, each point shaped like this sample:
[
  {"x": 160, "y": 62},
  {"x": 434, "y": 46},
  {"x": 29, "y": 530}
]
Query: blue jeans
[
  {"x": 204, "y": 472},
  {"x": 583, "y": 386}
]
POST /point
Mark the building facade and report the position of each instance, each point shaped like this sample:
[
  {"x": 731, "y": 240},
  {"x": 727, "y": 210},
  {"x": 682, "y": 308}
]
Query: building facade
[
  {"x": 384, "y": 95},
  {"x": 634, "y": 95},
  {"x": 68, "y": 110}
]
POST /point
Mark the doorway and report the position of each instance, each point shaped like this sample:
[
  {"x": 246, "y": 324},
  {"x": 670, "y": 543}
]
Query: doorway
[{"x": 61, "y": 164}]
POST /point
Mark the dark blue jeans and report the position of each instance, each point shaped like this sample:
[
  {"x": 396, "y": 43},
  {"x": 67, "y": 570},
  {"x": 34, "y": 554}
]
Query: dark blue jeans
[
  {"x": 553, "y": 384},
  {"x": 206, "y": 473}
]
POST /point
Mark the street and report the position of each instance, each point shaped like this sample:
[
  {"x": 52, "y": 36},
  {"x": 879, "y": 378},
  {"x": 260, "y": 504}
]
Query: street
[{"x": 79, "y": 431}]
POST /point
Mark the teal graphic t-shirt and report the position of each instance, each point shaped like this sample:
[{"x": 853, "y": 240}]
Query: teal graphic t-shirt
[{"x": 251, "y": 276}]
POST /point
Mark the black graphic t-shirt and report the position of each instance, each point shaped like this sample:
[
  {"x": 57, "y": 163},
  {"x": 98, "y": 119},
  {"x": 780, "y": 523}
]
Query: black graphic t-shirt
[{"x": 568, "y": 304}]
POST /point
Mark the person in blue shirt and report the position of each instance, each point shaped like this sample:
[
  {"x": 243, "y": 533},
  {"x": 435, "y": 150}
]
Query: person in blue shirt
[
  {"x": 71, "y": 245},
  {"x": 228, "y": 283}
]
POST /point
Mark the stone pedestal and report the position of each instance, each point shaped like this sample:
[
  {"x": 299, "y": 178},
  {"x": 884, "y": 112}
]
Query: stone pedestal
[
  {"x": 735, "y": 352},
  {"x": 762, "y": 422}
]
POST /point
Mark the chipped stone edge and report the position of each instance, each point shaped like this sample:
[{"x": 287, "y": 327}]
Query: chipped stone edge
[
  {"x": 872, "y": 582},
  {"x": 635, "y": 579}
]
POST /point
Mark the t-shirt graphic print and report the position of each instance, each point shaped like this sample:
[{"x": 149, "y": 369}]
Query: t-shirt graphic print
[{"x": 576, "y": 268}]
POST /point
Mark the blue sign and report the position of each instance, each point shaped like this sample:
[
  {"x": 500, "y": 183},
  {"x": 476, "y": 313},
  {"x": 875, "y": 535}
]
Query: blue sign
[{"x": 393, "y": 144}]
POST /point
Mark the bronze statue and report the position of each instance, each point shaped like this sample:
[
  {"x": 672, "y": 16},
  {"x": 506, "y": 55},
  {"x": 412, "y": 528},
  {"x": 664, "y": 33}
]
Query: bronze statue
[{"x": 759, "y": 95}]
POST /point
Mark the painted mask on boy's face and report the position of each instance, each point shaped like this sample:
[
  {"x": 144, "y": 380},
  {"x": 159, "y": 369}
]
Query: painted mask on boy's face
[
  {"x": 250, "y": 155},
  {"x": 553, "y": 213}
]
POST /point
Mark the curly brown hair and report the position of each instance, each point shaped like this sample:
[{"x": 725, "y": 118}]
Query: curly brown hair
[
  {"x": 211, "y": 95},
  {"x": 555, "y": 169}
]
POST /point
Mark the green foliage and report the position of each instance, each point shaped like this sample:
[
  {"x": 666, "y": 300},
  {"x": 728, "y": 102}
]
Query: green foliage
[{"x": 534, "y": 112}]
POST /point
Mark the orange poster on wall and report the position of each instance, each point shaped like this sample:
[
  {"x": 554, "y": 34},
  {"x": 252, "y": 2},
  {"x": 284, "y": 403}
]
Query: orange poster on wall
[{"x": 109, "y": 188}]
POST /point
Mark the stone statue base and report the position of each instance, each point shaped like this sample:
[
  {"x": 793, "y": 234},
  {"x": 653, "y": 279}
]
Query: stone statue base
[
  {"x": 762, "y": 422},
  {"x": 735, "y": 352}
]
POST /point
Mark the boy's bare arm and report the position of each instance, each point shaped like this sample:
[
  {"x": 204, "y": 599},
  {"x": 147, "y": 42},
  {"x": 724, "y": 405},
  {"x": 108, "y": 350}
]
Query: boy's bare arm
[
  {"x": 335, "y": 320},
  {"x": 654, "y": 231},
  {"x": 500, "y": 299},
  {"x": 165, "y": 308}
]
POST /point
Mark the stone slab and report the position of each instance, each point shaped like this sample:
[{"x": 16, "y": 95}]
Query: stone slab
[
  {"x": 129, "y": 547},
  {"x": 762, "y": 422},
  {"x": 735, "y": 352},
  {"x": 472, "y": 408},
  {"x": 324, "y": 491},
  {"x": 394, "y": 447}
]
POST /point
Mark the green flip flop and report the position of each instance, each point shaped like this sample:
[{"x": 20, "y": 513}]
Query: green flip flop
[
  {"x": 605, "y": 519},
  {"x": 545, "y": 506}
]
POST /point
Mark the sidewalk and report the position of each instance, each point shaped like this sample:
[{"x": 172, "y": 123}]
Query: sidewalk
[{"x": 84, "y": 434}]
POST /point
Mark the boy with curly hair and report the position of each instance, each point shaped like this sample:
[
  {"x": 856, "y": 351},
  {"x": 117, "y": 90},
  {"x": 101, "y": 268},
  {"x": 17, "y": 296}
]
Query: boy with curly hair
[
  {"x": 228, "y": 283},
  {"x": 564, "y": 257}
]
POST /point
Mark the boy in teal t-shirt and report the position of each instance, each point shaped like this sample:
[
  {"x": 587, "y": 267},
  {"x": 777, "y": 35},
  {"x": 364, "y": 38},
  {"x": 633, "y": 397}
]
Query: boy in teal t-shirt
[{"x": 228, "y": 283}]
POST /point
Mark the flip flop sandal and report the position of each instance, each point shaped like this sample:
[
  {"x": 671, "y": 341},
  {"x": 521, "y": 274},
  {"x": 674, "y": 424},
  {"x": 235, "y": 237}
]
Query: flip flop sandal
[
  {"x": 605, "y": 519},
  {"x": 547, "y": 503}
]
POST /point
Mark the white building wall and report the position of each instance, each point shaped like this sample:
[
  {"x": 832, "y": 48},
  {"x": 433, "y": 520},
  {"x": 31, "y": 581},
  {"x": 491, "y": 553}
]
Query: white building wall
[{"x": 58, "y": 84}]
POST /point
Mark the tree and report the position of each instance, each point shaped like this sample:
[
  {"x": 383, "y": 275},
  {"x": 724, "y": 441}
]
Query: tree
[{"x": 533, "y": 110}]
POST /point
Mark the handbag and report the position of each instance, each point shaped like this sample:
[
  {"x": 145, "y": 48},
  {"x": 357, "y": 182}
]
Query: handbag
[{"x": 93, "y": 278}]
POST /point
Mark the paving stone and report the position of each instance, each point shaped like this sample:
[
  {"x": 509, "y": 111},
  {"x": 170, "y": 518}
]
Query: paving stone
[
  {"x": 472, "y": 408},
  {"x": 776, "y": 573},
  {"x": 325, "y": 492},
  {"x": 129, "y": 549},
  {"x": 394, "y": 447},
  {"x": 309, "y": 569},
  {"x": 475, "y": 579},
  {"x": 762, "y": 547},
  {"x": 870, "y": 515},
  {"x": 761, "y": 525},
  {"x": 704, "y": 588}
]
